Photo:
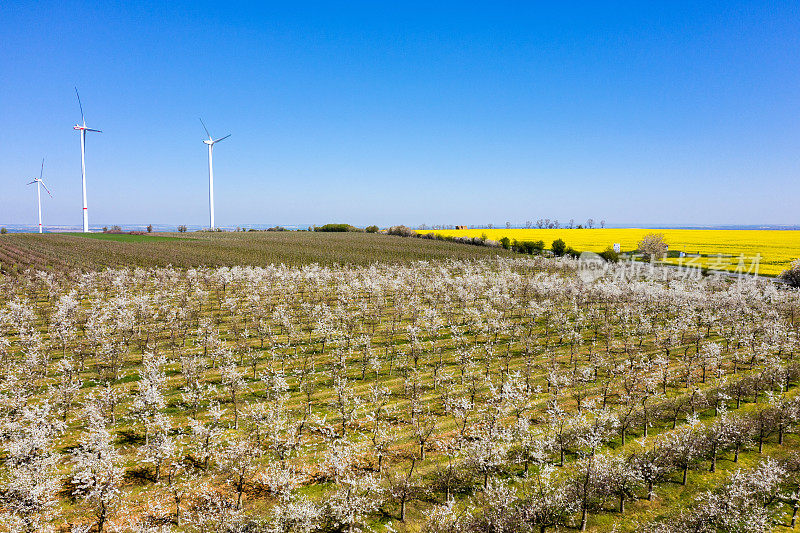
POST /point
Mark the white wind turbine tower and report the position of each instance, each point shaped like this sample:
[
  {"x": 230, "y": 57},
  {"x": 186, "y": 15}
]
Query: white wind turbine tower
[
  {"x": 211, "y": 142},
  {"x": 39, "y": 184},
  {"x": 83, "y": 129}
]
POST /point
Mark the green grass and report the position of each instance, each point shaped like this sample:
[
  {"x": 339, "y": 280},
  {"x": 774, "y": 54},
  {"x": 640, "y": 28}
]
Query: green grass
[{"x": 124, "y": 237}]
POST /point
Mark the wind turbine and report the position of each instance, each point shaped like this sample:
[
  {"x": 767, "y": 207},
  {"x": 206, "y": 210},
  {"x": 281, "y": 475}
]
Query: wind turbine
[
  {"x": 211, "y": 142},
  {"x": 39, "y": 184},
  {"x": 83, "y": 129}
]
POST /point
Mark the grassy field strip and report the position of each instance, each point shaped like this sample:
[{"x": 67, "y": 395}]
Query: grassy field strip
[{"x": 125, "y": 237}]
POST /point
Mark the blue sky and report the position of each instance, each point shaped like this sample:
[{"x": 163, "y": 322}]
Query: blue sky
[{"x": 458, "y": 113}]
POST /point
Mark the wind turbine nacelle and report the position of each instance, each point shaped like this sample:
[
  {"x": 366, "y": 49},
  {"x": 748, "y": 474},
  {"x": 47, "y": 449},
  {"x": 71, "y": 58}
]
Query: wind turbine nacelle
[{"x": 208, "y": 142}]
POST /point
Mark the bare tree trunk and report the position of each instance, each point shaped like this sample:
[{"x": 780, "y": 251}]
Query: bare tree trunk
[
  {"x": 235, "y": 413},
  {"x": 101, "y": 520},
  {"x": 713, "y": 459}
]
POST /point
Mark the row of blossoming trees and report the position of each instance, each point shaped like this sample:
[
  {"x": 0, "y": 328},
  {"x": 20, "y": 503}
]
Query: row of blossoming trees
[{"x": 502, "y": 395}]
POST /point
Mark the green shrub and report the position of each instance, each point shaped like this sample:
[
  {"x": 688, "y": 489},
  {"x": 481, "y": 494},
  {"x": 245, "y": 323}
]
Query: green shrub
[
  {"x": 528, "y": 247},
  {"x": 559, "y": 247},
  {"x": 505, "y": 242},
  {"x": 610, "y": 255},
  {"x": 336, "y": 228},
  {"x": 371, "y": 229},
  {"x": 3, "y": 230},
  {"x": 572, "y": 252}
]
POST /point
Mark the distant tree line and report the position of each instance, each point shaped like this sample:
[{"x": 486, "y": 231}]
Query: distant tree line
[
  {"x": 542, "y": 223},
  {"x": 345, "y": 228}
]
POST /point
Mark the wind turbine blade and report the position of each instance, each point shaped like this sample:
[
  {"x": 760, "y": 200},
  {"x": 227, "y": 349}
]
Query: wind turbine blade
[
  {"x": 45, "y": 188},
  {"x": 90, "y": 129},
  {"x": 222, "y": 138},
  {"x": 41, "y": 171},
  {"x": 31, "y": 182},
  {"x": 204, "y": 127},
  {"x": 81, "y": 105}
]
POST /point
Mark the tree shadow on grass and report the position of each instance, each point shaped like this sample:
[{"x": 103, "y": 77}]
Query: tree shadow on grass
[
  {"x": 139, "y": 474},
  {"x": 128, "y": 437}
]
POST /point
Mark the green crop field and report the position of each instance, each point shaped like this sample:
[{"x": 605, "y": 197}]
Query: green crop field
[
  {"x": 125, "y": 237},
  {"x": 97, "y": 251}
]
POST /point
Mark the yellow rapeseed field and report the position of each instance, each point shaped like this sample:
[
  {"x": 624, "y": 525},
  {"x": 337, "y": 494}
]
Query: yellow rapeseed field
[{"x": 770, "y": 251}]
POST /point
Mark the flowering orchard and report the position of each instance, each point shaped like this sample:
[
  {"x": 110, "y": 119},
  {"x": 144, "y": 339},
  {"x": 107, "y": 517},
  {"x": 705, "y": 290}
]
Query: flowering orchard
[{"x": 494, "y": 395}]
